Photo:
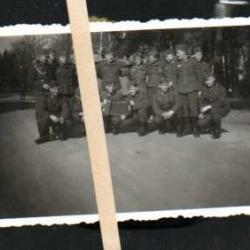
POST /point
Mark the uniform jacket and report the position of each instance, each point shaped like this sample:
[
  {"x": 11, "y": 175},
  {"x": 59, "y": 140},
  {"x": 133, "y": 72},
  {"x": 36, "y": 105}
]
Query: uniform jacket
[
  {"x": 51, "y": 68},
  {"x": 165, "y": 101},
  {"x": 138, "y": 76},
  {"x": 65, "y": 79},
  {"x": 216, "y": 97},
  {"x": 169, "y": 71},
  {"x": 189, "y": 76},
  {"x": 109, "y": 72},
  {"x": 140, "y": 99},
  {"x": 153, "y": 72}
]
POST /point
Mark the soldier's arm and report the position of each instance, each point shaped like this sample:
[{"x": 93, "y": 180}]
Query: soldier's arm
[{"x": 156, "y": 108}]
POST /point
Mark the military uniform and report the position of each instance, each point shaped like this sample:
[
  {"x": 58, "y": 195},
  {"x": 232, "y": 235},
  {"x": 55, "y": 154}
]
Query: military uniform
[
  {"x": 137, "y": 77},
  {"x": 216, "y": 97},
  {"x": 189, "y": 82},
  {"x": 65, "y": 76},
  {"x": 164, "y": 102},
  {"x": 169, "y": 71},
  {"x": 107, "y": 99},
  {"x": 138, "y": 115},
  {"x": 153, "y": 73},
  {"x": 39, "y": 75},
  {"x": 109, "y": 73}
]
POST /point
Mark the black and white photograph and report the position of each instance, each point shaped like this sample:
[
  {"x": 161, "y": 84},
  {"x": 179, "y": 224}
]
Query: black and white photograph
[
  {"x": 176, "y": 113},
  {"x": 45, "y": 168}
]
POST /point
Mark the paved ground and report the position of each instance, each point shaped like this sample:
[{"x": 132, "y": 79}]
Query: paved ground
[{"x": 156, "y": 172}]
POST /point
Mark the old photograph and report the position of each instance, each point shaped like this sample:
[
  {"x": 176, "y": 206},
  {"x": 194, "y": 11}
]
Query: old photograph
[
  {"x": 176, "y": 113},
  {"x": 44, "y": 161}
]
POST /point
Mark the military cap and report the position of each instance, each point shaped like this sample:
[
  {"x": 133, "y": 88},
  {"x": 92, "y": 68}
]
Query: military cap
[{"x": 182, "y": 47}]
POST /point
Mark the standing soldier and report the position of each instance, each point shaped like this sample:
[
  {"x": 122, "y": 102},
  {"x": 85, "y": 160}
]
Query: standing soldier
[
  {"x": 110, "y": 70},
  {"x": 137, "y": 74},
  {"x": 169, "y": 66},
  {"x": 39, "y": 75},
  {"x": 153, "y": 71},
  {"x": 166, "y": 106},
  {"x": 188, "y": 85},
  {"x": 65, "y": 79},
  {"x": 109, "y": 96},
  {"x": 52, "y": 65},
  {"x": 138, "y": 111},
  {"x": 204, "y": 66},
  {"x": 213, "y": 105}
]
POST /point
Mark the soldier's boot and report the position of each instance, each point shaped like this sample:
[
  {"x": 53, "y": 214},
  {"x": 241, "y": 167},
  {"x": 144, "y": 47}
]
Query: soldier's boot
[
  {"x": 107, "y": 124},
  {"x": 162, "y": 128},
  {"x": 216, "y": 130},
  {"x": 186, "y": 125},
  {"x": 195, "y": 127},
  {"x": 179, "y": 127},
  {"x": 115, "y": 129},
  {"x": 43, "y": 134},
  {"x": 63, "y": 134},
  {"x": 142, "y": 129}
]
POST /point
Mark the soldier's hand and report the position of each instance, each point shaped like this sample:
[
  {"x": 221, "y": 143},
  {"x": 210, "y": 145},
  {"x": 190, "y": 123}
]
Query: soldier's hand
[
  {"x": 123, "y": 117},
  {"x": 199, "y": 94},
  {"x": 206, "y": 108},
  {"x": 132, "y": 103},
  {"x": 46, "y": 86},
  {"x": 201, "y": 116},
  {"x": 54, "y": 118}
]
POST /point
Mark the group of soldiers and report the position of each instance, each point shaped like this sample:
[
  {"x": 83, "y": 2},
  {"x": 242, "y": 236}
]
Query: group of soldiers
[{"x": 170, "y": 91}]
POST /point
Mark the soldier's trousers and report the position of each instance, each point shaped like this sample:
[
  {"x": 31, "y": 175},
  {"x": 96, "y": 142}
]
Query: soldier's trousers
[
  {"x": 209, "y": 118},
  {"x": 137, "y": 116},
  {"x": 189, "y": 104},
  {"x": 151, "y": 92},
  {"x": 43, "y": 127}
]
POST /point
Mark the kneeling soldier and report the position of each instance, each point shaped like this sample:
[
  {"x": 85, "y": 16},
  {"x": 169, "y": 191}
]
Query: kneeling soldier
[
  {"x": 213, "y": 105},
  {"x": 165, "y": 107},
  {"x": 138, "y": 105}
]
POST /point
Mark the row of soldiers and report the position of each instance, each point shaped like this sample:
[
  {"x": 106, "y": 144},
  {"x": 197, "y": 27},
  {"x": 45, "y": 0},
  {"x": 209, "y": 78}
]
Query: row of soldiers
[{"x": 177, "y": 94}]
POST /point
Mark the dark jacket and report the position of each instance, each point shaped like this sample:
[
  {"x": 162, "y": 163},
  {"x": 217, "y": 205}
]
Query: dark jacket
[
  {"x": 216, "y": 97},
  {"x": 140, "y": 99},
  {"x": 110, "y": 72},
  {"x": 166, "y": 101},
  {"x": 138, "y": 76},
  {"x": 65, "y": 79},
  {"x": 153, "y": 72},
  {"x": 189, "y": 76},
  {"x": 169, "y": 71}
]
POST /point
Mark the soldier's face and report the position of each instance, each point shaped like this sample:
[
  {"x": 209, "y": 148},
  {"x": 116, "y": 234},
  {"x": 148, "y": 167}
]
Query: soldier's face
[
  {"x": 42, "y": 58},
  {"x": 198, "y": 55},
  {"x": 169, "y": 58},
  {"x": 51, "y": 56},
  {"x": 180, "y": 54},
  {"x": 109, "y": 57},
  {"x": 152, "y": 58},
  {"x": 133, "y": 90},
  {"x": 53, "y": 91},
  {"x": 210, "y": 81},
  {"x": 138, "y": 60},
  {"x": 62, "y": 60}
]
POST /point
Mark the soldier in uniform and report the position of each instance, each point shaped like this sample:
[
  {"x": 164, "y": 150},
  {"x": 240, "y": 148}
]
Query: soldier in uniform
[
  {"x": 189, "y": 81},
  {"x": 138, "y": 115},
  {"x": 169, "y": 66},
  {"x": 52, "y": 65},
  {"x": 213, "y": 105},
  {"x": 109, "y": 70},
  {"x": 166, "y": 104},
  {"x": 109, "y": 95},
  {"x": 57, "y": 108},
  {"x": 39, "y": 75},
  {"x": 153, "y": 71},
  {"x": 198, "y": 56},
  {"x": 65, "y": 77},
  {"x": 137, "y": 74}
]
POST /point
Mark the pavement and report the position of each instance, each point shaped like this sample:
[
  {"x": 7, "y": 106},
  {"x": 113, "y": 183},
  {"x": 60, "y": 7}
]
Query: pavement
[{"x": 155, "y": 172}]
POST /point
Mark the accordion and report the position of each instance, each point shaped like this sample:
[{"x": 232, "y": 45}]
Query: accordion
[{"x": 116, "y": 108}]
